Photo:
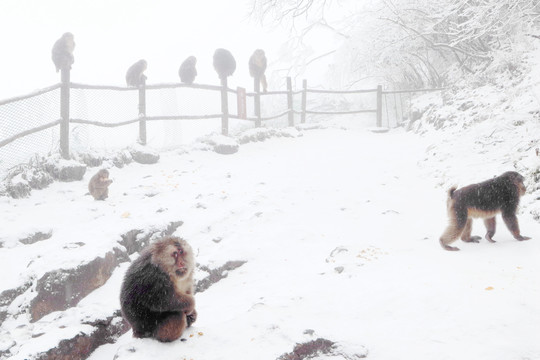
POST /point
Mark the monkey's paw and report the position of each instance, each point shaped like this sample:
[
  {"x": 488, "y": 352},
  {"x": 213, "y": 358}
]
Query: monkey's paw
[
  {"x": 488, "y": 238},
  {"x": 474, "y": 239},
  {"x": 191, "y": 318},
  {"x": 450, "y": 248},
  {"x": 521, "y": 238}
]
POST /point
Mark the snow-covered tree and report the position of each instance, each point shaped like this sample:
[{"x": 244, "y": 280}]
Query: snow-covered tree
[{"x": 408, "y": 43}]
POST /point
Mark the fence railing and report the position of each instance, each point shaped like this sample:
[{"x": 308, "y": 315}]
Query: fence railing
[{"x": 142, "y": 116}]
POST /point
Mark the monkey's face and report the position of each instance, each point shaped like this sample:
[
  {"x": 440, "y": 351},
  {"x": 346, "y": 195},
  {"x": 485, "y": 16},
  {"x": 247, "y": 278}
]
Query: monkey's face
[
  {"x": 518, "y": 180},
  {"x": 103, "y": 175},
  {"x": 522, "y": 188},
  {"x": 175, "y": 256},
  {"x": 180, "y": 257},
  {"x": 69, "y": 40},
  {"x": 143, "y": 65}
]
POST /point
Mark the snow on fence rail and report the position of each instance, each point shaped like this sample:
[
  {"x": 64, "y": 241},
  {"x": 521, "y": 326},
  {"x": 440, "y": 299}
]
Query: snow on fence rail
[{"x": 82, "y": 113}]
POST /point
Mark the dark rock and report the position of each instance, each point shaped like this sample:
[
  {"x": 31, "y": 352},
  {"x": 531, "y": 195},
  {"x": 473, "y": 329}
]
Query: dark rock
[
  {"x": 215, "y": 275},
  {"x": 262, "y": 134},
  {"x": 222, "y": 144},
  {"x": 144, "y": 156},
  {"x": 122, "y": 158},
  {"x": 66, "y": 170},
  {"x": 466, "y": 105},
  {"x": 106, "y": 331},
  {"x": 309, "y": 350},
  {"x": 61, "y": 289},
  {"x": 91, "y": 159},
  {"x": 7, "y": 297},
  {"x": 416, "y": 115},
  {"x": 35, "y": 237},
  {"x": 315, "y": 348},
  {"x": 226, "y": 149},
  {"x": 18, "y": 190},
  {"x": 38, "y": 179}
]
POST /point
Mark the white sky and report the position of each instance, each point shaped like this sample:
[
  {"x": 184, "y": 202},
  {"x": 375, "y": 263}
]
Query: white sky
[{"x": 111, "y": 35}]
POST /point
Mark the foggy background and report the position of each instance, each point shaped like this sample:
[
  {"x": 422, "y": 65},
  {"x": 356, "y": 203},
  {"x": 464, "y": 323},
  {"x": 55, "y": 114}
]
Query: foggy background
[{"x": 111, "y": 35}]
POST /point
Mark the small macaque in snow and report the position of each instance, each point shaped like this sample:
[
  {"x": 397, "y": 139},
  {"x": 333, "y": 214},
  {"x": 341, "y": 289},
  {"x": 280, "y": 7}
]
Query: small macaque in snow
[
  {"x": 99, "y": 185},
  {"x": 257, "y": 67},
  {"x": 135, "y": 74},
  {"x": 187, "y": 71},
  {"x": 157, "y": 292},
  {"x": 62, "y": 52},
  {"x": 224, "y": 63},
  {"x": 483, "y": 200}
]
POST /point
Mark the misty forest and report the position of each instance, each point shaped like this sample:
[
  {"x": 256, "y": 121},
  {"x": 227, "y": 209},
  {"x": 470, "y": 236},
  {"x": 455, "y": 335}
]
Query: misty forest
[{"x": 270, "y": 179}]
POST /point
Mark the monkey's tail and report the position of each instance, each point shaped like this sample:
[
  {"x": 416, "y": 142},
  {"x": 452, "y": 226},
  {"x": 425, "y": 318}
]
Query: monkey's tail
[
  {"x": 451, "y": 191},
  {"x": 264, "y": 83}
]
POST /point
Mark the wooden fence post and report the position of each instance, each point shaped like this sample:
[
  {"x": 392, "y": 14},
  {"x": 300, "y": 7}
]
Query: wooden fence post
[
  {"x": 224, "y": 107},
  {"x": 304, "y": 100},
  {"x": 379, "y": 105},
  {"x": 257, "y": 90},
  {"x": 64, "y": 112},
  {"x": 142, "y": 111},
  {"x": 290, "y": 101}
]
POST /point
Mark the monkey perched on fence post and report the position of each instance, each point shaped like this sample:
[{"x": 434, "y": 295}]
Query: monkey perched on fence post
[
  {"x": 157, "y": 292},
  {"x": 483, "y": 200},
  {"x": 188, "y": 71},
  {"x": 62, "y": 52},
  {"x": 135, "y": 74},
  {"x": 257, "y": 67},
  {"x": 224, "y": 63},
  {"x": 99, "y": 185}
]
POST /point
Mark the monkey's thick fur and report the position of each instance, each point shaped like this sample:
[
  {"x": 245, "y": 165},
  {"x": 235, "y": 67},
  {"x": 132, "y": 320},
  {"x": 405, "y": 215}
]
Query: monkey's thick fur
[
  {"x": 485, "y": 200},
  {"x": 224, "y": 63},
  {"x": 135, "y": 74},
  {"x": 98, "y": 186},
  {"x": 157, "y": 292},
  {"x": 62, "y": 52},
  {"x": 188, "y": 70},
  {"x": 257, "y": 67}
]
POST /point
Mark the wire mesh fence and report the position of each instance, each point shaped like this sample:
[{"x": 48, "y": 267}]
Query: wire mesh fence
[
  {"x": 109, "y": 118},
  {"x": 19, "y": 117},
  {"x": 105, "y": 105}
]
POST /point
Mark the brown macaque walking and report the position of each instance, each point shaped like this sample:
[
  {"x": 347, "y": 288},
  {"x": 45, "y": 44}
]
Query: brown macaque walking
[
  {"x": 257, "y": 67},
  {"x": 135, "y": 74},
  {"x": 483, "y": 200},
  {"x": 157, "y": 292},
  {"x": 99, "y": 185},
  {"x": 62, "y": 52}
]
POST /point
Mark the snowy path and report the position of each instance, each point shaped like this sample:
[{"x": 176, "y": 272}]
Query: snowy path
[{"x": 339, "y": 230}]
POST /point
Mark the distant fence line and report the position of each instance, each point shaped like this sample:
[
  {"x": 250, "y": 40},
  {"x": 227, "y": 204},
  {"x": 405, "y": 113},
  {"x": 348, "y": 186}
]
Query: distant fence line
[{"x": 65, "y": 119}]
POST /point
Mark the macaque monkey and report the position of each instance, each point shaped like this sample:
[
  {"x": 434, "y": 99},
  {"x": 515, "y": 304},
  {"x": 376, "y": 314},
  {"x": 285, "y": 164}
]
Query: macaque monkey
[
  {"x": 62, "y": 52},
  {"x": 483, "y": 200},
  {"x": 187, "y": 71},
  {"x": 257, "y": 67},
  {"x": 135, "y": 74},
  {"x": 157, "y": 292},
  {"x": 99, "y": 185},
  {"x": 224, "y": 63}
]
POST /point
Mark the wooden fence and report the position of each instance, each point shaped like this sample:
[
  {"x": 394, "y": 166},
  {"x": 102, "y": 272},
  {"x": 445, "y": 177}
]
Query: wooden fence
[{"x": 65, "y": 120}]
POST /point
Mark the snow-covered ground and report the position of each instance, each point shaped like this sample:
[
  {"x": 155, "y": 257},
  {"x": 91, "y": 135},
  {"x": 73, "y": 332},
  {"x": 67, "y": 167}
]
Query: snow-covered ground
[{"x": 339, "y": 227}]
